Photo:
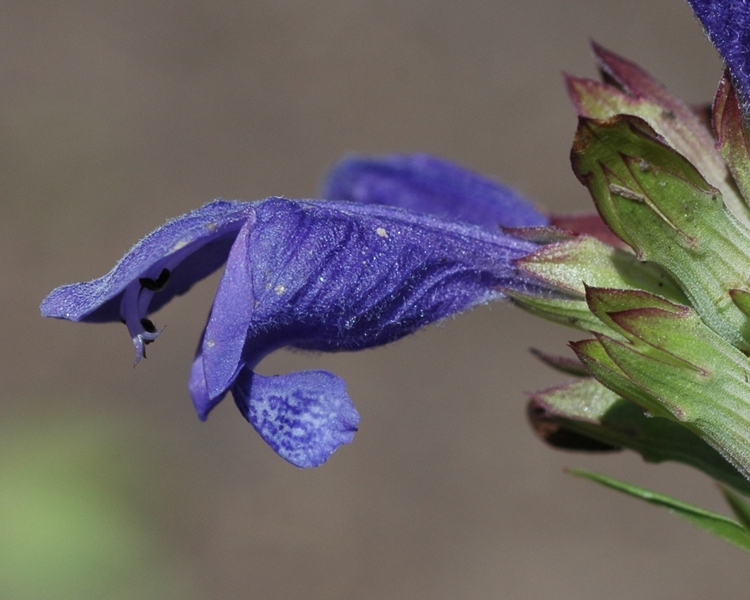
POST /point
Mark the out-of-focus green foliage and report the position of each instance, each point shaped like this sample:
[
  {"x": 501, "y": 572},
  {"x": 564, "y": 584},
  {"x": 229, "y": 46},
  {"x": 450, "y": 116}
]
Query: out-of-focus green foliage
[{"x": 73, "y": 524}]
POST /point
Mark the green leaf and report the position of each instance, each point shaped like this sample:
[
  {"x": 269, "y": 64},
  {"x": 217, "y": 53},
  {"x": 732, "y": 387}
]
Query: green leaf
[
  {"x": 740, "y": 508},
  {"x": 718, "y": 525}
]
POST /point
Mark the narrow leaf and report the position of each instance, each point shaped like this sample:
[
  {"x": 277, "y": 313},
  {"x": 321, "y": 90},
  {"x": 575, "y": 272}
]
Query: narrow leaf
[
  {"x": 718, "y": 525},
  {"x": 738, "y": 505}
]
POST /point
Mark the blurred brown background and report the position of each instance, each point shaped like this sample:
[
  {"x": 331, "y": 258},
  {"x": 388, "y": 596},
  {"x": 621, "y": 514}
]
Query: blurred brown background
[{"x": 117, "y": 115}]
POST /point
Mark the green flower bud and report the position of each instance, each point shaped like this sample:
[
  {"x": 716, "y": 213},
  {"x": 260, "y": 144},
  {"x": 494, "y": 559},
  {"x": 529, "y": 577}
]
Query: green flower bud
[
  {"x": 674, "y": 366},
  {"x": 585, "y": 415},
  {"x": 659, "y": 204}
]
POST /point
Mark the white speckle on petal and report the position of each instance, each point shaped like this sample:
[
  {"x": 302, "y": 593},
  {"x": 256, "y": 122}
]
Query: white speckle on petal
[
  {"x": 279, "y": 289},
  {"x": 210, "y": 343},
  {"x": 381, "y": 232},
  {"x": 179, "y": 245}
]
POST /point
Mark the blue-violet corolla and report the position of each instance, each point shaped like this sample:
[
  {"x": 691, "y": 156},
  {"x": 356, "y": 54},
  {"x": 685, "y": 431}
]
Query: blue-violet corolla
[{"x": 318, "y": 275}]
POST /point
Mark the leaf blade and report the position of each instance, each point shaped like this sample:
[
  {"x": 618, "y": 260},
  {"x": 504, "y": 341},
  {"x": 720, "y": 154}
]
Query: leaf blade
[{"x": 722, "y": 527}]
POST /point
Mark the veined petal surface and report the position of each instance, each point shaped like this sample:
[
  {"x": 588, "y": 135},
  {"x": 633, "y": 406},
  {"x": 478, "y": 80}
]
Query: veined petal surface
[{"x": 428, "y": 185}]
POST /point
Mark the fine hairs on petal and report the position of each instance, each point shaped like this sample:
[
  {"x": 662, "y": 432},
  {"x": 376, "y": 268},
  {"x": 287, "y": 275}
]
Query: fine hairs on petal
[
  {"x": 195, "y": 245},
  {"x": 727, "y": 25},
  {"x": 428, "y": 185},
  {"x": 340, "y": 276}
]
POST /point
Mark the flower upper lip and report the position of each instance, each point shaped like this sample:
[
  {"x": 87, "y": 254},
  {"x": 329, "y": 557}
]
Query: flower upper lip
[
  {"x": 211, "y": 229},
  {"x": 179, "y": 253}
]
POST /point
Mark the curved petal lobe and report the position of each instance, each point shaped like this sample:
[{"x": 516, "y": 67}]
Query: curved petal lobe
[
  {"x": 224, "y": 337},
  {"x": 432, "y": 186},
  {"x": 304, "y": 417},
  {"x": 202, "y": 402},
  {"x": 189, "y": 247}
]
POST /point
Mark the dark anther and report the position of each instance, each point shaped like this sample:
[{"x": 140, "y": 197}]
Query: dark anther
[
  {"x": 148, "y": 325},
  {"x": 155, "y": 285}
]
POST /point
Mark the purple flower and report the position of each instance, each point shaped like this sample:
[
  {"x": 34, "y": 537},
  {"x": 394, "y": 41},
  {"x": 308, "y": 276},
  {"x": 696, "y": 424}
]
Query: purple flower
[
  {"x": 727, "y": 24},
  {"x": 429, "y": 185},
  {"x": 314, "y": 275},
  {"x": 166, "y": 263}
]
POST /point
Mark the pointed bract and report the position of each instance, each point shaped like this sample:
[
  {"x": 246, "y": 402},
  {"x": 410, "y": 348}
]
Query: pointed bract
[
  {"x": 659, "y": 203},
  {"x": 565, "y": 266},
  {"x": 590, "y": 224},
  {"x": 732, "y": 134},
  {"x": 564, "y": 364},
  {"x": 630, "y": 90},
  {"x": 587, "y": 413},
  {"x": 674, "y": 366}
]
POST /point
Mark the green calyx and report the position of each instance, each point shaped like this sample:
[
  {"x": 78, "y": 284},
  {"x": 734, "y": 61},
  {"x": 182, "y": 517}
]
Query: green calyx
[
  {"x": 570, "y": 265},
  {"x": 658, "y": 203},
  {"x": 630, "y": 90},
  {"x": 674, "y": 366},
  {"x": 585, "y": 415},
  {"x": 668, "y": 363}
]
